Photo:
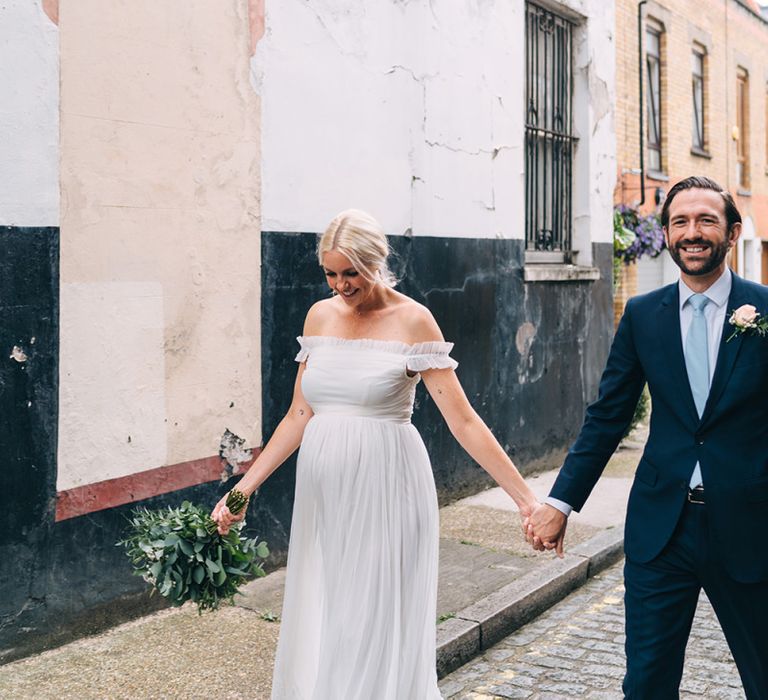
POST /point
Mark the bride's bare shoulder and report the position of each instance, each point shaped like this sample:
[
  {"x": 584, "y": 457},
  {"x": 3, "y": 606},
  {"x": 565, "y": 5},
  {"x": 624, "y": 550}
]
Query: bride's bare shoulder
[
  {"x": 419, "y": 323},
  {"x": 319, "y": 315}
]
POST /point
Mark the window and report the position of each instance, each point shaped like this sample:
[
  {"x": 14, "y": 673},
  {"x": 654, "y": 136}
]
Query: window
[
  {"x": 697, "y": 71},
  {"x": 742, "y": 128},
  {"x": 653, "y": 117},
  {"x": 549, "y": 138}
]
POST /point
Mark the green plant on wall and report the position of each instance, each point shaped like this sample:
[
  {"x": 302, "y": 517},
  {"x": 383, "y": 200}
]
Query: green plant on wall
[{"x": 623, "y": 238}]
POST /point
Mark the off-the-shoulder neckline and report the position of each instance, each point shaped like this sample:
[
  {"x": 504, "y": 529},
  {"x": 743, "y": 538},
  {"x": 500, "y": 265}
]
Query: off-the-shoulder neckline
[{"x": 394, "y": 345}]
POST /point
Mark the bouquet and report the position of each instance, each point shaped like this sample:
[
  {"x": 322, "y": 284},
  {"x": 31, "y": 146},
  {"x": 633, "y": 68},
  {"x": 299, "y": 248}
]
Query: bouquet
[{"x": 180, "y": 553}]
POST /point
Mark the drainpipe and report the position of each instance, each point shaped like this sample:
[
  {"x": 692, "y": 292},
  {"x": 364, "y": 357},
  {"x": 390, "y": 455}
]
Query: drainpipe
[{"x": 640, "y": 76}]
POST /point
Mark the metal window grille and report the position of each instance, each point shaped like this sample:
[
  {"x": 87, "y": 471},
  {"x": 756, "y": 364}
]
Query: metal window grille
[
  {"x": 697, "y": 70},
  {"x": 653, "y": 68},
  {"x": 548, "y": 132}
]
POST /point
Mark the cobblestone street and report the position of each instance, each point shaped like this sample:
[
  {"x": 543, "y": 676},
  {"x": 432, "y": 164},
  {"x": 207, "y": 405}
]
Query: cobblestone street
[{"x": 576, "y": 650}]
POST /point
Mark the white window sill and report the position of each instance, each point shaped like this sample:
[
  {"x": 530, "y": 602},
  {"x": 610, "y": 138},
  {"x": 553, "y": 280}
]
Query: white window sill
[{"x": 538, "y": 272}]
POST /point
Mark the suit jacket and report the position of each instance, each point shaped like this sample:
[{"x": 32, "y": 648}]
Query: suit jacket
[{"x": 730, "y": 440}]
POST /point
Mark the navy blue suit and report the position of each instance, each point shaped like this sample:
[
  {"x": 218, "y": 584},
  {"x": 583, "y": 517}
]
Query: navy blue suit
[{"x": 722, "y": 546}]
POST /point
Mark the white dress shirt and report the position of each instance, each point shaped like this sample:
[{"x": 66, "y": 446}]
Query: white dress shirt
[{"x": 714, "y": 313}]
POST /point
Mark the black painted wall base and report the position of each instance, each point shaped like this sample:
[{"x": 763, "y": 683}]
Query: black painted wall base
[{"x": 29, "y": 303}]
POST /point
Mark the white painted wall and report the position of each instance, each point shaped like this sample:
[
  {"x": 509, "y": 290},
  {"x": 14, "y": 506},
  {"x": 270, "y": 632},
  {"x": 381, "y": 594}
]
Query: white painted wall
[
  {"x": 29, "y": 115},
  {"x": 653, "y": 273},
  {"x": 750, "y": 251},
  {"x": 594, "y": 100},
  {"x": 414, "y": 111}
]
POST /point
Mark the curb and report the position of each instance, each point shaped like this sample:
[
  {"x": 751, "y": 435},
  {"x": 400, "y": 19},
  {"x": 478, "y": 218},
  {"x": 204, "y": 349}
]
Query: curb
[{"x": 479, "y": 626}]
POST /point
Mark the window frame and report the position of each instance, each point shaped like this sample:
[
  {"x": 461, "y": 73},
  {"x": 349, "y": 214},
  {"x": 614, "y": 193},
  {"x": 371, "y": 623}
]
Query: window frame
[
  {"x": 549, "y": 136},
  {"x": 699, "y": 116},
  {"x": 742, "y": 124},
  {"x": 653, "y": 116}
]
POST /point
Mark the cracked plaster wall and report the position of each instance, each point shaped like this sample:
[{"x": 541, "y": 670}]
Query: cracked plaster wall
[
  {"x": 160, "y": 240},
  {"x": 414, "y": 111}
]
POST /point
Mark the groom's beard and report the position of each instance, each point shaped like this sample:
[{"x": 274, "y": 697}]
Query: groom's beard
[{"x": 718, "y": 251}]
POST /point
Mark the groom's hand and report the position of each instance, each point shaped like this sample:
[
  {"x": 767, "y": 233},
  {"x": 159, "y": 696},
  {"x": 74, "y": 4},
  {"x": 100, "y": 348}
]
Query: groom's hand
[{"x": 546, "y": 528}]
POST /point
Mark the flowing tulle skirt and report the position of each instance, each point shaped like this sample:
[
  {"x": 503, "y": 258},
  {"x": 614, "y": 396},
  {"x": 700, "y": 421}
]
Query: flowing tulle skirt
[{"x": 358, "y": 618}]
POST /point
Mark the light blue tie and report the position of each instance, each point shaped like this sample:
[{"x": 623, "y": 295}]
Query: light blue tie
[{"x": 697, "y": 363}]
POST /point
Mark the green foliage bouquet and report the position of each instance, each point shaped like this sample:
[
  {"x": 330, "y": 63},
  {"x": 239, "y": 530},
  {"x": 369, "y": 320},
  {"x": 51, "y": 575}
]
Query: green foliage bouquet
[{"x": 179, "y": 552}]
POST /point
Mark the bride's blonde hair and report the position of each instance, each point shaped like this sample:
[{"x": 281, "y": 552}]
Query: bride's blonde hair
[{"x": 358, "y": 236}]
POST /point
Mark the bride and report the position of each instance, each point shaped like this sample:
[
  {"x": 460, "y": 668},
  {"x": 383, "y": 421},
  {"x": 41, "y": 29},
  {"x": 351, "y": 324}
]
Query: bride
[{"x": 359, "y": 612}]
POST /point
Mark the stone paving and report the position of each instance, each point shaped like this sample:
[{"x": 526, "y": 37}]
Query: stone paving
[{"x": 576, "y": 650}]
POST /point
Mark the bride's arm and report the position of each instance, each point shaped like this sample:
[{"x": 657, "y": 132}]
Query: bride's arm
[
  {"x": 283, "y": 443},
  {"x": 464, "y": 423},
  {"x": 475, "y": 436}
]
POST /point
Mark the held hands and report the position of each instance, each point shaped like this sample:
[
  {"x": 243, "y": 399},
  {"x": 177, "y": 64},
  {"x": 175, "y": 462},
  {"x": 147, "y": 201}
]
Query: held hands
[{"x": 545, "y": 528}]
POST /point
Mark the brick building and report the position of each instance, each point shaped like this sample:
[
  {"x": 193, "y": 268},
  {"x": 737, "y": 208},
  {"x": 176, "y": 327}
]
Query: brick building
[{"x": 705, "y": 112}]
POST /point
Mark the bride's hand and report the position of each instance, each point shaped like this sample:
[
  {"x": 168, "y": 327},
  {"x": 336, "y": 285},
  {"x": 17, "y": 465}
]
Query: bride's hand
[
  {"x": 526, "y": 511},
  {"x": 223, "y": 517}
]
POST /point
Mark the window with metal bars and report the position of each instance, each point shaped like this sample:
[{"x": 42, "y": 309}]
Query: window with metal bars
[
  {"x": 653, "y": 117},
  {"x": 549, "y": 138}
]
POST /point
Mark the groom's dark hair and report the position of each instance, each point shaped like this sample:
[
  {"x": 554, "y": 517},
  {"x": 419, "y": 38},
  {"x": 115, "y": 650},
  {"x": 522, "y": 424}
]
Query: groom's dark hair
[{"x": 732, "y": 215}]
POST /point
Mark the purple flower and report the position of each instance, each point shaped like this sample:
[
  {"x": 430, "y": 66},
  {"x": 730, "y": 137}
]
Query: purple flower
[{"x": 649, "y": 237}]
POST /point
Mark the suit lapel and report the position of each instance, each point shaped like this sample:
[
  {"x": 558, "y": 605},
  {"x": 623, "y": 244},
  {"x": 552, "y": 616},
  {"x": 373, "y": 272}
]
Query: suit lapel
[
  {"x": 729, "y": 350},
  {"x": 672, "y": 347}
]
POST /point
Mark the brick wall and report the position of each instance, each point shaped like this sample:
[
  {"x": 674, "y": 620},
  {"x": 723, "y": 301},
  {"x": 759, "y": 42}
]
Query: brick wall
[{"x": 733, "y": 36}]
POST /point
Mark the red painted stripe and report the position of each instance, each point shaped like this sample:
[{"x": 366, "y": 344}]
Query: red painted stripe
[{"x": 137, "y": 487}]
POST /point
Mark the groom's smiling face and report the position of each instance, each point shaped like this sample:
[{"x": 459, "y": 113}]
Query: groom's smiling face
[{"x": 697, "y": 234}]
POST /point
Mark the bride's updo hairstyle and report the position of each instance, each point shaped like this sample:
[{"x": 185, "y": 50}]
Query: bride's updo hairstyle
[{"x": 358, "y": 236}]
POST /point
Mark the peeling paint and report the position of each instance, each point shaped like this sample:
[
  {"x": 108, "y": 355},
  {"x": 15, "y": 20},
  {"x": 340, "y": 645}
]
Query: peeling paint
[
  {"x": 256, "y": 22},
  {"x": 524, "y": 338},
  {"x": 233, "y": 451},
  {"x": 18, "y": 354},
  {"x": 51, "y": 9}
]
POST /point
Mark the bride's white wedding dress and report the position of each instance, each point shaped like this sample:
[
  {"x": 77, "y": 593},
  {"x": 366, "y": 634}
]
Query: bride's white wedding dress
[{"x": 358, "y": 618}]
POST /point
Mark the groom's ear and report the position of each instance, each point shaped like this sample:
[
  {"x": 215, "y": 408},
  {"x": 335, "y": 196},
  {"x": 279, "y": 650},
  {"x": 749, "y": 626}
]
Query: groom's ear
[{"x": 733, "y": 234}]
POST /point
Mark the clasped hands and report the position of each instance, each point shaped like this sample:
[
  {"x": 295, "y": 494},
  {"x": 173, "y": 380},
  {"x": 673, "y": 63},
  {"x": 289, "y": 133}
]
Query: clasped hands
[{"x": 544, "y": 528}]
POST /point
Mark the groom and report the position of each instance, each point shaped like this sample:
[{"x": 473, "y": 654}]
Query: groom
[{"x": 698, "y": 510}]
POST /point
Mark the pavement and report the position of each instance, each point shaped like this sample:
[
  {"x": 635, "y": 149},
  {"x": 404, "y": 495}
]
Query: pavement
[
  {"x": 576, "y": 650},
  {"x": 490, "y": 585}
]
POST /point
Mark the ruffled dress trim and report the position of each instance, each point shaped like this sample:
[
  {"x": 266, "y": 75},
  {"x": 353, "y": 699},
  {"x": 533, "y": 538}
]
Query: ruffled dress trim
[{"x": 419, "y": 356}]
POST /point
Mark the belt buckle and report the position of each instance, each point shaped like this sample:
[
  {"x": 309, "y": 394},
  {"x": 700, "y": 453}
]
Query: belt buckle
[{"x": 696, "y": 496}]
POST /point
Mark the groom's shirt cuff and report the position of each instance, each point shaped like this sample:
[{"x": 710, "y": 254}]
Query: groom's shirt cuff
[{"x": 562, "y": 506}]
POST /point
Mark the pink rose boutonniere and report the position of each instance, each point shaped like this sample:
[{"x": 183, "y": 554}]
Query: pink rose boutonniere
[{"x": 747, "y": 319}]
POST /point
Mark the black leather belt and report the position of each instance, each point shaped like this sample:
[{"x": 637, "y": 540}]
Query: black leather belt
[{"x": 696, "y": 496}]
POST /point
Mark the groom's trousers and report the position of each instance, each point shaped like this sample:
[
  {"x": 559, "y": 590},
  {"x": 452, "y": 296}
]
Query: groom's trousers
[{"x": 660, "y": 601}]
